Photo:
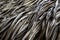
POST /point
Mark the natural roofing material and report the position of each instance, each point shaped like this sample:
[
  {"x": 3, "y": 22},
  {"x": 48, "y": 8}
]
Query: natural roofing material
[{"x": 29, "y": 19}]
